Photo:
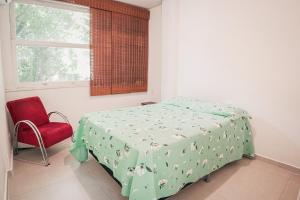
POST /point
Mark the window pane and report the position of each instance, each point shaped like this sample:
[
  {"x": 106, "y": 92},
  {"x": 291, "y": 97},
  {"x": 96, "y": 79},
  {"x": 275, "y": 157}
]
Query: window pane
[
  {"x": 51, "y": 64},
  {"x": 36, "y": 22}
]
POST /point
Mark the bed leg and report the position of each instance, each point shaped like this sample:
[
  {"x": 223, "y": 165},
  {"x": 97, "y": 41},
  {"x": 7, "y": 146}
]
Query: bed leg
[
  {"x": 252, "y": 157},
  {"x": 207, "y": 178}
]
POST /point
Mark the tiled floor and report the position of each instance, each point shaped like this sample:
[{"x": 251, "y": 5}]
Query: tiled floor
[{"x": 65, "y": 178}]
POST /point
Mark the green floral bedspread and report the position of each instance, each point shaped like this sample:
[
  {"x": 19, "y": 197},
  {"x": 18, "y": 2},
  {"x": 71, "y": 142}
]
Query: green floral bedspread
[{"x": 155, "y": 150}]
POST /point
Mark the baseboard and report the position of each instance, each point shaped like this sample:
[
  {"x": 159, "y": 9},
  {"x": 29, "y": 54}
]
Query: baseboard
[
  {"x": 11, "y": 161},
  {"x": 5, "y": 197},
  {"x": 292, "y": 168},
  {"x": 8, "y": 171}
]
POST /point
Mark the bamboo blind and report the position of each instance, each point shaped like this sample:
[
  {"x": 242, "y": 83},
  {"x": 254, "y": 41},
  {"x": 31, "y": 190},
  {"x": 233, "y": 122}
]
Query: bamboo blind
[
  {"x": 101, "y": 51},
  {"x": 119, "y": 47},
  {"x": 113, "y": 6},
  {"x": 119, "y": 7},
  {"x": 130, "y": 55}
]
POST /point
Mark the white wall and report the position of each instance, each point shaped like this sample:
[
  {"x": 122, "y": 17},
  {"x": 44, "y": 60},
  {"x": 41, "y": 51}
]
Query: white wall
[
  {"x": 4, "y": 135},
  {"x": 169, "y": 20},
  {"x": 74, "y": 102},
  {"x": 244, "y": 52}
]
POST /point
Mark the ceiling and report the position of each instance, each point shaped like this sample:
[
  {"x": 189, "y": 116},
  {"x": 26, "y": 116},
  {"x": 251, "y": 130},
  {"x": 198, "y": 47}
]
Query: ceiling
[{"x": 143, "y": 3}]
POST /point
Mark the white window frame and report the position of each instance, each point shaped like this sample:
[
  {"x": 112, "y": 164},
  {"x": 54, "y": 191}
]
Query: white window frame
[{"x": 14, "y": 42}]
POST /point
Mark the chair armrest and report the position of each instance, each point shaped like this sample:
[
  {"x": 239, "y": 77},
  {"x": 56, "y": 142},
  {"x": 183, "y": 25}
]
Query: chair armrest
[
  {"x": 33, "y": 128},
  {"x": 29, "y": 123},
  {"x": 64, "y": 118},
  {"x": 60, "y": 114},
  {"x": 37, "y": 135}
]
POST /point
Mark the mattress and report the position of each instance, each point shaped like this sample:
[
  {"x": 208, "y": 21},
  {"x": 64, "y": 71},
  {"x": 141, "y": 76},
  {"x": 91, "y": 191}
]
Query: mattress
[{"x": 155, "y": 150}]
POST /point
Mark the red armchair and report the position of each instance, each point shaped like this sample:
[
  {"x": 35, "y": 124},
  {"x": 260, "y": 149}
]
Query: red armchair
[{"x": 33, "y": 127}]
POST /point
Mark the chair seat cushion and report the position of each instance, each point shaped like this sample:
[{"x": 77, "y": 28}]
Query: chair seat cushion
[{"x": 52, "y": 133}]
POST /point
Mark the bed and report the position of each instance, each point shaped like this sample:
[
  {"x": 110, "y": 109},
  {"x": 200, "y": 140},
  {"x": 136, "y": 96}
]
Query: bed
[{"x": 155, "y": 150}]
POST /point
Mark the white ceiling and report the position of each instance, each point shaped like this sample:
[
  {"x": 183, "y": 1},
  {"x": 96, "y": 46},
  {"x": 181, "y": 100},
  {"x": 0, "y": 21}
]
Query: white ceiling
[{"x": 143, "y": 3}]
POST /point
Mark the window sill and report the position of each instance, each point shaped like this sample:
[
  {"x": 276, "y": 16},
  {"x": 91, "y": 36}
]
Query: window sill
[{"x": 47, "y": 86}]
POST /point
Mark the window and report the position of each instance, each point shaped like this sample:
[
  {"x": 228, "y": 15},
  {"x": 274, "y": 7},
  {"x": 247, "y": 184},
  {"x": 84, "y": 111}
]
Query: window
[{"x": 51, "y": 42}]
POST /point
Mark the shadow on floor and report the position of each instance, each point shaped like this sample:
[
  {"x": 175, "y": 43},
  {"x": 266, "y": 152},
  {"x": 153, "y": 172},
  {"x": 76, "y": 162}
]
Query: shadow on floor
[
  {"x": 94, "y": 177},
  {"x": 33, "y": 155}
]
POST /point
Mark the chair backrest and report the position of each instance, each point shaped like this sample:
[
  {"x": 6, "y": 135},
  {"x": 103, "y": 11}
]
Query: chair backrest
[{"x": 30, "y": 108}]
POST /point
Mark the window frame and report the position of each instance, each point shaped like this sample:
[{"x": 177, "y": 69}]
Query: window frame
[{"x": 14, "y": 42}]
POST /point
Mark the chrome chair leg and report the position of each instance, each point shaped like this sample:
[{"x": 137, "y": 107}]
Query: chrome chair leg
[
  {"x": 38, "y": 136},
  {"x": 207, "y": 178}
]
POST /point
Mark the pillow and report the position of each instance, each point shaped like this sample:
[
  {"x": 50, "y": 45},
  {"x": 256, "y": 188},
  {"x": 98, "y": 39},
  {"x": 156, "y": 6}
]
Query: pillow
[{"x": 206, "y": 107}]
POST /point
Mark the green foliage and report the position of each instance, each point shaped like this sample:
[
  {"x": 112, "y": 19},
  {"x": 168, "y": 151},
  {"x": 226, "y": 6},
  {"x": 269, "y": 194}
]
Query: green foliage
[{"x": 40, "y": 23}]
